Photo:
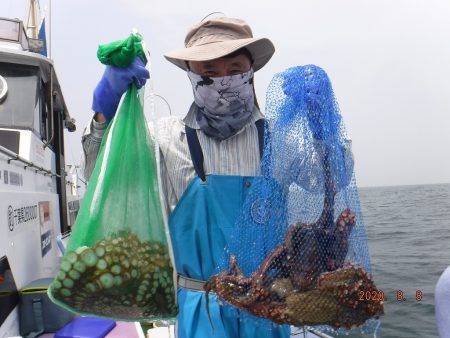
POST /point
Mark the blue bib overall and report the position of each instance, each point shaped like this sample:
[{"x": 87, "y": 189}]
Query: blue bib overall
[{"x": 200, "y": 228}]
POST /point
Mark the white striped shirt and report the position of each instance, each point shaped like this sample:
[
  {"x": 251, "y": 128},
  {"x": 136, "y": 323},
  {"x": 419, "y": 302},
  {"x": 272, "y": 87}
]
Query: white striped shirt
[{"x": 237, "y": 155}]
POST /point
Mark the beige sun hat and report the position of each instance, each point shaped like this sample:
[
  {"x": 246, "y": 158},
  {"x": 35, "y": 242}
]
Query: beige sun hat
[{"x": 218, "y": 37}]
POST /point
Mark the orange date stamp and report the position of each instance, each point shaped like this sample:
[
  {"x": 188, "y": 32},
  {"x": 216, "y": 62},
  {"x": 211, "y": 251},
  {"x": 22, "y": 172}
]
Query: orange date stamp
[
  {"x": 373, "y": 295},
  {"x": 378, "y": 295},
  {"x": 400, "y": 295}
]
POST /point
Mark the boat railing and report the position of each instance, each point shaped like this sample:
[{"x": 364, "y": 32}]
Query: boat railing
[
  {"x": 306, "y": 331},
  {"x": 27, "y": 164}
]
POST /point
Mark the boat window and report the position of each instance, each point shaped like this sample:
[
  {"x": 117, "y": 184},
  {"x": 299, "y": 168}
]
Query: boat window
[
  {"x": 22, "y": 105},
  {"x": 9, "y": 30}
]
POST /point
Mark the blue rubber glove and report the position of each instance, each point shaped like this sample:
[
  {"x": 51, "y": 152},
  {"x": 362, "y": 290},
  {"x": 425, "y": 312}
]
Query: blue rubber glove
[{"x": 114, "y": 83}]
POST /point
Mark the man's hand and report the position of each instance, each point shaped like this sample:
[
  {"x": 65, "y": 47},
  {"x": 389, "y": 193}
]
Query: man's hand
[{"x": 114, "y": 83}]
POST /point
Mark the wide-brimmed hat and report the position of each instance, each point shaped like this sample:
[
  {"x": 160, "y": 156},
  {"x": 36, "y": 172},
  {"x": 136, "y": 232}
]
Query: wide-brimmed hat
[{"x": 218, "y": 37}]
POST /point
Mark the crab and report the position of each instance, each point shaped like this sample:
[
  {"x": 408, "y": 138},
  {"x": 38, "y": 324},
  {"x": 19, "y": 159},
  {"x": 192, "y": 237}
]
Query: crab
[
  {"x": 334, "y": 299},
  {"x": 308, "y": 250},
  {"x": 303, "y": 280}
]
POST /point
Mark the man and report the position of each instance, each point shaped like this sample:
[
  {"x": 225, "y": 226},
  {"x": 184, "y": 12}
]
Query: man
[{"x": 208, "y": 161}]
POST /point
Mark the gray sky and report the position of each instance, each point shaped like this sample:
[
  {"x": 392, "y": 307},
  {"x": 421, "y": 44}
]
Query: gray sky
[{"x": 389, "y": 62}]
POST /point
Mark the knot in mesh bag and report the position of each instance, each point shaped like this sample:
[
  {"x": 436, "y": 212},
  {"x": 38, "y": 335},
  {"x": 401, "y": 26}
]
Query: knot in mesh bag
[{"x": 299, "y": 252}]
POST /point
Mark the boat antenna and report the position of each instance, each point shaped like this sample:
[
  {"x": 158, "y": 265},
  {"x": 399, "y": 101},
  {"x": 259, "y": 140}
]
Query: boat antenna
[
  {"x": 212, "y": 14},
  {"x": 151, "y": 96}
]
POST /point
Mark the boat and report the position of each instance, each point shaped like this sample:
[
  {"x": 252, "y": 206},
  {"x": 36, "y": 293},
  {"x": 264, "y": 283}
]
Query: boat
[{"x": 37, "y": 203}]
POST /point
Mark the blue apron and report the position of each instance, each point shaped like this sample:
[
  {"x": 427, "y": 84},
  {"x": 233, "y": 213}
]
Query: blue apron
[{"x": 200, "y": 228}]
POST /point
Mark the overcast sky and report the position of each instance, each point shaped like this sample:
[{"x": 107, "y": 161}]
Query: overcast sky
[{"x": 389, "y": 62}]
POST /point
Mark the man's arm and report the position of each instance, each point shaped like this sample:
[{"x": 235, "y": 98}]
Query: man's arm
[
  {"x": 91, "y": 141},
  {"x": 106, "y": 98}
]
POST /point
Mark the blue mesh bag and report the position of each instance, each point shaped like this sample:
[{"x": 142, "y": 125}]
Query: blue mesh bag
[{"x": 299, "y": 253}]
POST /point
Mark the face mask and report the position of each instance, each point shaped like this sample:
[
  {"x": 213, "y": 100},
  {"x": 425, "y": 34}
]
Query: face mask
[{"x": 225, "y": 103}]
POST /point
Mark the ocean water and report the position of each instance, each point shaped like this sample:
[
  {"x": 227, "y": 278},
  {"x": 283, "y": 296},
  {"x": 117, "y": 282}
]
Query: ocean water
[{"x": 408, "y": 229}]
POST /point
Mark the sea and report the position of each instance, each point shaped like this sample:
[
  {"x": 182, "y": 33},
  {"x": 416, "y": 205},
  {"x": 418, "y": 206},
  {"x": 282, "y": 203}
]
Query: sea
[{"x": 408, "y": 230}]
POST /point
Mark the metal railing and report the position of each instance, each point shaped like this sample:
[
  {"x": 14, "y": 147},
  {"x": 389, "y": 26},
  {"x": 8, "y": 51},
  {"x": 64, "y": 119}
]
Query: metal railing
[
  {"x": 302, "y": 332},
  {"x": 38, "y": 169}
]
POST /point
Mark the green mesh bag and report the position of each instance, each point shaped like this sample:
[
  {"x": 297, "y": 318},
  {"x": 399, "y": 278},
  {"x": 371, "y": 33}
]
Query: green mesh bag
[{"x": 117, "y": 263}]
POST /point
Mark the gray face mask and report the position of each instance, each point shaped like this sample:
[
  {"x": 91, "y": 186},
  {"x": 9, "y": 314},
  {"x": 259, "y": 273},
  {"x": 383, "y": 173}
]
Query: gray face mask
[{"x": 226, "y": 103}]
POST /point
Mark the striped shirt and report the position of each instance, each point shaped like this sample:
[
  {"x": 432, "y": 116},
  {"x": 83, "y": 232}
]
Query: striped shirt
[{"x": 237, "y": 155}]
